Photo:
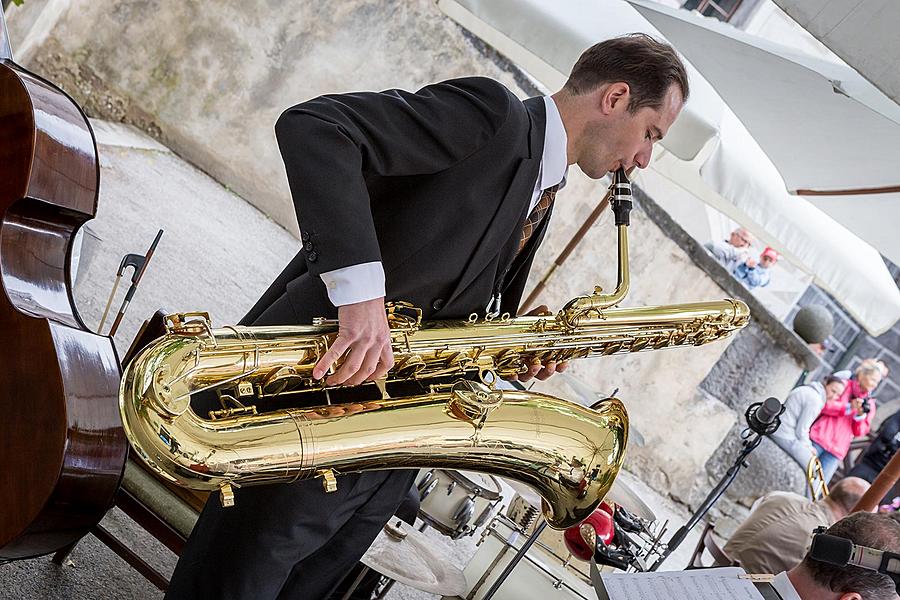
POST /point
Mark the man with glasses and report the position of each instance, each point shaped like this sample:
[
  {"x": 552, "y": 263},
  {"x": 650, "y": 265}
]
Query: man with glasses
[{"x": 733, "y": 251}]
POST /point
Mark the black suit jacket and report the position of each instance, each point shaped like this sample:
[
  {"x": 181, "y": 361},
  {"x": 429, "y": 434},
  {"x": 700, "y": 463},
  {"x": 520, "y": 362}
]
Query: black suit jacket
[{"x": 434, "y": 184}]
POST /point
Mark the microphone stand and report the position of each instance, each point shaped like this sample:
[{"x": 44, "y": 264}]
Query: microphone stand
[{"x": 753, "y": 436}]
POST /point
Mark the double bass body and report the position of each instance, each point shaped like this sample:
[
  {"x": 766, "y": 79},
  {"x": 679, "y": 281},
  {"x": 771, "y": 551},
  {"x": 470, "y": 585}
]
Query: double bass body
[{"x": 62, "y": 447}]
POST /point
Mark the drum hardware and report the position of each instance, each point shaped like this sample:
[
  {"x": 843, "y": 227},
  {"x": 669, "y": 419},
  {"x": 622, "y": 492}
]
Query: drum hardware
[
  {"x": 426, "y": 485},
  {"x": 636, "y": 546},
  {"x": 469, "y": 501},
  {"x": 523, "y": 513},
  {"x": 509, "y": 542},
  {"x": 515, "y": 560},
  {"x": 403, "y": 554},
  {"x": 513, "y": 539}
]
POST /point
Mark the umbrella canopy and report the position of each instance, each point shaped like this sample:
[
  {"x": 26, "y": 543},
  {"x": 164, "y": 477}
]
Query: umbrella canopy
[
  {"x": 863, "y": 33},
  {"x": 545, "y": 39},
  {"x": 831, "y": 134},
  {"x": 738, "y": 179}
]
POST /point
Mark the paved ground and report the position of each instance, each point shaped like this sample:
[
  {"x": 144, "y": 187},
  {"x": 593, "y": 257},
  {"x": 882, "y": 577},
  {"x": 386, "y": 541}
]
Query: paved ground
[{"x": 218, "y": 254}]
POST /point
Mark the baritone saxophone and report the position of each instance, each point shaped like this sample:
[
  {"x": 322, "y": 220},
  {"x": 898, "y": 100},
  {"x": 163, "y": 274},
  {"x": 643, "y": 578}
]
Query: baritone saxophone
[{"x": 570, "y": 454}]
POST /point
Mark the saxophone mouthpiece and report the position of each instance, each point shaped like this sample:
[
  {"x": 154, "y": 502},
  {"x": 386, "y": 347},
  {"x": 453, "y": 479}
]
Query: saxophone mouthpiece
[{"x": 621, "y": 197}]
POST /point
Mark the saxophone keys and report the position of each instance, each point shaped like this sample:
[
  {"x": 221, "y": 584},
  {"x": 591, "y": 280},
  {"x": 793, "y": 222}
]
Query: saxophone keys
[
  {"x": 329, "y": 481},
  {"x": 473, "y": 400},
  {"x": 226, "y": 495}
]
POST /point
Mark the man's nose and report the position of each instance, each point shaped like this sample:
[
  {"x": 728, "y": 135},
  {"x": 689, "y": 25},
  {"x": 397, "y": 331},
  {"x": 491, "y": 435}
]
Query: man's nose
[{"x": 642, "y": 158}]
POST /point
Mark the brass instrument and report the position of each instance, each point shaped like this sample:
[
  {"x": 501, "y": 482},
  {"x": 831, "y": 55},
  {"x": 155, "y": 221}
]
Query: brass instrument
[
  {"x": 815, "y": 479},
  {"x": 568, "y": 453}
]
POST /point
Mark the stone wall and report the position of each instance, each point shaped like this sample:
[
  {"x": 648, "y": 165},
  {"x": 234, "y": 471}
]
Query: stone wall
[{"x": 209, "y": 80}]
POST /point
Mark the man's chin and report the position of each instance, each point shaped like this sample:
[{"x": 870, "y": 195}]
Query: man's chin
[{"x": 595, "y": 173}]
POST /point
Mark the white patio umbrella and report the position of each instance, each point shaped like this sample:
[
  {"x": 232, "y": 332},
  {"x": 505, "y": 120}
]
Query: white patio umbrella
[
  {"x": 738, "y": 179},
  {"x": 832, "y": 135},
  {"x": 862, "y": 32},
  {"x": 546, "y": 38}
]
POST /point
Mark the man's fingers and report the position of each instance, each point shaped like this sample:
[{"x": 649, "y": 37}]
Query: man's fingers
[
  {"x": 337, "y": 349},
  {"x": 561, "y": 367},
  {"x": 367, "y": 368},
  {"x": 548, "y": 370},
  {"x": 385, "y": 362},
  {"x": 351, "y": 364}
]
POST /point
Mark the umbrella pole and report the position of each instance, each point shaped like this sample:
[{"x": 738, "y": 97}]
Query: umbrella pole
[{"x": 881, "y": 486}]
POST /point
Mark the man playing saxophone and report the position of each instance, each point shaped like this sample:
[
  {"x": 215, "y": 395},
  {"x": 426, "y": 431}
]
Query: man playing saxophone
[{"x": 439, "y": 198}]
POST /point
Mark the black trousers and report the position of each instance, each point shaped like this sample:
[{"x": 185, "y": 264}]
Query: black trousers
[{"x": 285, "y": 541}]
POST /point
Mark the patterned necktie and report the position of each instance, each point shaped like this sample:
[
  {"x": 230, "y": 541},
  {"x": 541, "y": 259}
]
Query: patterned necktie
[{"x": 537, "y": 213}]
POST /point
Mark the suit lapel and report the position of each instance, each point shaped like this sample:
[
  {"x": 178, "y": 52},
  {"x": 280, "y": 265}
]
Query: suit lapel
[{"x": 502, "y": 235}]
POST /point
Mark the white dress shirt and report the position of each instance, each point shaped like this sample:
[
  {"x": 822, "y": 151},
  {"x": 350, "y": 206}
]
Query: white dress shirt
[
  {"x": 365, "y": 281},
  {"x": 784, "y": 587}
]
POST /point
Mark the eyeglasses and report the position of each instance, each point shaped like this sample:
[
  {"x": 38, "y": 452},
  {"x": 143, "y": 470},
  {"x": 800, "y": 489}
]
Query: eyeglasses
[{"x": 745, "y": 240}]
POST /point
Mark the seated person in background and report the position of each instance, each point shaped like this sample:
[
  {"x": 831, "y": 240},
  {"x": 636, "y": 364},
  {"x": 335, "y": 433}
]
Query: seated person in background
[
  {"x": 801, "y": 407},
  {"x": 845, "y": 418},
  {"x": 777, "y": 533},
  {"x": 815, "y": 580},
  {"x": 877, "y": 454},
  {"x": 753, "y": 274},
  {"x": 734, "y": 250}
]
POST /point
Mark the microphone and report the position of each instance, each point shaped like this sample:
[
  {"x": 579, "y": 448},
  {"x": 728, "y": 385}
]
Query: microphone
[
  {"x": 762, "y": 417},
  {"x": 841, "y": 552}
]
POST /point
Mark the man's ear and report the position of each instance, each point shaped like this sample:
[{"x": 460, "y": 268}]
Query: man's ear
[{"x": 615, "y": 96}]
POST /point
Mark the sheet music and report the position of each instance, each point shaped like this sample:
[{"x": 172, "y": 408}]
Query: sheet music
[{"x": 699, "y": 584}]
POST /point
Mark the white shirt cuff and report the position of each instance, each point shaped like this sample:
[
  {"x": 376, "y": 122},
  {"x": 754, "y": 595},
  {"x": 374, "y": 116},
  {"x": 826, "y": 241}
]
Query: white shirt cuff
[{"x": 356, "y": 283}]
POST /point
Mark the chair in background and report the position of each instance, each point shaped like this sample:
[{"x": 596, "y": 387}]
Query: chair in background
[
  {"x": 708, "y": 544},
  {"x": 815, "y": 478}
]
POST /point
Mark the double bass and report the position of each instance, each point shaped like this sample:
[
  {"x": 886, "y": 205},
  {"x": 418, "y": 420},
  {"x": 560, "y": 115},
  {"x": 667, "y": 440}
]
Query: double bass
[{"x": 62, "y": 447}]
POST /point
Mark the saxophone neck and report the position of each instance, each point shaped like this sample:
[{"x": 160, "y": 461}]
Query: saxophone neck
[{"x": 582, "y": 306}]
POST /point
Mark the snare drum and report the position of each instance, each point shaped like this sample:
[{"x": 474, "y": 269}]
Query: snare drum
[
  {"x": 456, "y": 503},
  {"x": 540, "y": 575}
]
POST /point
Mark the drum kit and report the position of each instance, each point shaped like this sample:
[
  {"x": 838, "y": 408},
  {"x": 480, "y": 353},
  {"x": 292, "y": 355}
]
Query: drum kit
[{"x": 456, "y": 504}]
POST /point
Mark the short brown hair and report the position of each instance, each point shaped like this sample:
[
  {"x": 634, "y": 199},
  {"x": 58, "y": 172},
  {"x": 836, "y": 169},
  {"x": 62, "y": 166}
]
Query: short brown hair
[
  {"x": 874, "y": 530},
  {"x": 648, "y": 66}
]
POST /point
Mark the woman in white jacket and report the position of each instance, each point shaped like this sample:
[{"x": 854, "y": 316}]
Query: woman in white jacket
[{"x": 801, "y": 408}]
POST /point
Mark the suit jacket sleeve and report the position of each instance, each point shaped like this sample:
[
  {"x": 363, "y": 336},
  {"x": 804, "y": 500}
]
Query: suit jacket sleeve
[{"x": 331, "y": 144}]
